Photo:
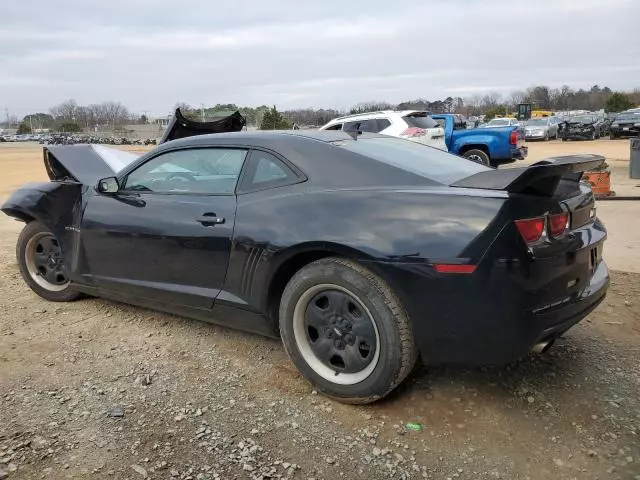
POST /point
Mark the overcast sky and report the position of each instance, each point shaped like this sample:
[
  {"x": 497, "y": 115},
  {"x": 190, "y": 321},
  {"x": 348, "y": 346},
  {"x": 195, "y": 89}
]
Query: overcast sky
[{"x": 150, "y": 54}]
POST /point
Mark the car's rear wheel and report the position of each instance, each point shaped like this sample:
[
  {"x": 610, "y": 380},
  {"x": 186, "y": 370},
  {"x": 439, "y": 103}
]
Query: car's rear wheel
[
  {"x": 546, "y": 136},
  {"x": 346, "y": 331},
  {"x": 478, "y": 156},
  {"x": 41, "y": 263}
]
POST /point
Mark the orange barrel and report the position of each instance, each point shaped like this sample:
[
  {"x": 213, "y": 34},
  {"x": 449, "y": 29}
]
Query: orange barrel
[{"x": 600, "y": 182}]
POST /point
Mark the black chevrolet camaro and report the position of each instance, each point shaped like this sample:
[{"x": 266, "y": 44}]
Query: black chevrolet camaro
[{"x": 362, "y": 253}]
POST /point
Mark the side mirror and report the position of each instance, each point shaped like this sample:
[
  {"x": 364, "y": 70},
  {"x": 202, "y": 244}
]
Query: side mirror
[{"x": 108, "y": 185}]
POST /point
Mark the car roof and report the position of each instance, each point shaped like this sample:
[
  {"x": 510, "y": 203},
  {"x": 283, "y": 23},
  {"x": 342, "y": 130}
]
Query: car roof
[
  {"x": 366, "y": 115},
  {"x": 260, "y": 137},
  {"x": 317, "y": 153}
]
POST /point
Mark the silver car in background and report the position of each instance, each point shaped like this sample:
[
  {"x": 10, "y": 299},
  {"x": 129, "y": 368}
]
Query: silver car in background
[{"x": 544, "y": 128}]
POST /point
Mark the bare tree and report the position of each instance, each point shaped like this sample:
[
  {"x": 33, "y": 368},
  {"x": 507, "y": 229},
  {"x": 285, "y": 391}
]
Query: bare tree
[
  {"x": 516, "y": 97},
  {"x": 115, "y": 113},
  {"x": 66, "y": 111},
  {"x": 491, "y": 100}
]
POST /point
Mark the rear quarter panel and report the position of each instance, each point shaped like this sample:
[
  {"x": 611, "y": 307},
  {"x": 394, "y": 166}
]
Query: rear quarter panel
[
  {"x": 495, "y": 139},
  {"x": 382, "y": 226}
]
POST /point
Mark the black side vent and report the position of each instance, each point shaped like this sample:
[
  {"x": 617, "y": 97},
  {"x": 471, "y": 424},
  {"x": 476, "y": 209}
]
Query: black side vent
[{"x": 249, "y": 270}]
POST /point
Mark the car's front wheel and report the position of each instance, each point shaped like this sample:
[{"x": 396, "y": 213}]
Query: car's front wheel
[
  {"x": 41, "y": 263},
  {"x": 346, "y": 331}
]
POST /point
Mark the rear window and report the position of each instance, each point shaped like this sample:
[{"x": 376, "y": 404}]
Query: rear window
[
  {"x": 413, "y": 157},
  {"x": 420, "y": 120}
]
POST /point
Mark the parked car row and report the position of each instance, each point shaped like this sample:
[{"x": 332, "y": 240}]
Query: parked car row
[
  {"x": 583, "y": 126},
  {"x": 72, "y": 139}
]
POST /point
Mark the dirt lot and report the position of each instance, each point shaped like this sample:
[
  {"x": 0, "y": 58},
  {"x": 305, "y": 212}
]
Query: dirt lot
[{"x": 94, "y": 389}]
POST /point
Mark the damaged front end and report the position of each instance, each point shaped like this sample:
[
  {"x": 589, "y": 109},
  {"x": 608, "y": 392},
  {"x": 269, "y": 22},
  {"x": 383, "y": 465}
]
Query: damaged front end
[
  {"x": 579, "y": 129},
  {"x": 72, "y": 170}
]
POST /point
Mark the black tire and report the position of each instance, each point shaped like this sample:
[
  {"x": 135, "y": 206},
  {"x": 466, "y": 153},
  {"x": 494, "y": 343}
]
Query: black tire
[
  {"x": 26, "y": 248},
  {"x": 478, "y": 156},
  {"x": 394, "y": 354},
  {"x": 546, "y": 137},
  {"x": 612, "y": 136}
]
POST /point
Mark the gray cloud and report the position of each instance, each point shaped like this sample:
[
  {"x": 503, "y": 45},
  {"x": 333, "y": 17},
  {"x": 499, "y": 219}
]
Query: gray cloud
[{"x": 151, "y": 54}]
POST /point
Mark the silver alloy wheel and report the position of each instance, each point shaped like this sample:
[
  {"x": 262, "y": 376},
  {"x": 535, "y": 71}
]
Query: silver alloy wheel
[
  {"x": 343, "y": 337},
  {"x": 43, "y": 259}
]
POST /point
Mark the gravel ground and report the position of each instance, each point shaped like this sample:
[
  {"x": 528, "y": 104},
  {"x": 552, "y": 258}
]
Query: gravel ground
[{"x": 94, "y": 389}]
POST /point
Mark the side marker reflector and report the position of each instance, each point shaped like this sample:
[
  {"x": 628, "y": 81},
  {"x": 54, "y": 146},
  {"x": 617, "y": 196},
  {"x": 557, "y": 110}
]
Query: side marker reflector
[{"x": 452, "y": 268}]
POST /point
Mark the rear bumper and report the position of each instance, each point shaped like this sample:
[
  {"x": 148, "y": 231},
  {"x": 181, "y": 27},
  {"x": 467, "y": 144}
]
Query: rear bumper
[
  {"x": 555, "y": 322},
  {"x": 519, "y": 153},
  {"x": 482, "y": 321},
  {"x": 534, "y": 136}
]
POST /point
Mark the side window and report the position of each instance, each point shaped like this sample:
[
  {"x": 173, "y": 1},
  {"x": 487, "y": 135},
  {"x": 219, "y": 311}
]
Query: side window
[
  {"x": 370, "y": 126},
  {"x": 352, "y": 126},
  {"x": 213, "y": 171},
  {"x": 337, "y": 126},
  {"x": 266, "y": 171},
  {"x": 383, "y": 124}
]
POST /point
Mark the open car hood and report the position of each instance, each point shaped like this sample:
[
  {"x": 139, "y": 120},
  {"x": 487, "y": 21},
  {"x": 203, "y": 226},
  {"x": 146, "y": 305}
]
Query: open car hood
[
  {"x": 181, "y": 127},
  {"x": 84, "y": 163}
]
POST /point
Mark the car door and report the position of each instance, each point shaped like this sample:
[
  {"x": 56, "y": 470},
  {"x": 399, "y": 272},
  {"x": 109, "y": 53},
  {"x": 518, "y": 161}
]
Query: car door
[{"x": 166, "y": 234}]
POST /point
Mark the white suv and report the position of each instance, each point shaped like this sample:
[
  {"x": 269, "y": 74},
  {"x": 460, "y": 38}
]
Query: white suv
[{"x": 413, "y": 125}]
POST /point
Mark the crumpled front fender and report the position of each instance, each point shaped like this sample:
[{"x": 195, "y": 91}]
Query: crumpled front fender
[{"x": 55, "y": 204}]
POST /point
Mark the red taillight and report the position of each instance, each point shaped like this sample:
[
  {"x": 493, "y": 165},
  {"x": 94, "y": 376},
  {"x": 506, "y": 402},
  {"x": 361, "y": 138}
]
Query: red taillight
[
  {"x": 413, "y": 132},
  {"x": 531, "y": 229},
  {"x": 452, "y": 268},
  {"x": 513, "y": 138},
  {"x": 558, "y": 224}
]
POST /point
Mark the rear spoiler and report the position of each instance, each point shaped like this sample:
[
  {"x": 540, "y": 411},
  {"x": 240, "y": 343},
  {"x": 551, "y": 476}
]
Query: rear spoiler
[
  {"x": 181, "y": 127},
  {"x": 541, "y": 178}
]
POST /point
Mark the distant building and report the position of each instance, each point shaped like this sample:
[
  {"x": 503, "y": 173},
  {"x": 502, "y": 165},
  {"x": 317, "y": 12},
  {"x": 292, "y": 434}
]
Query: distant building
[{"x": 162, "y": 121}]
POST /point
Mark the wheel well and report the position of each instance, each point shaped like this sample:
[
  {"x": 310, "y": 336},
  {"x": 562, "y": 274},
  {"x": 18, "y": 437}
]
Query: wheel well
[
  {"x": 466, "y": 148},
  {"x": 19, "y": 215},
  {"x": 285, "y": 272}
]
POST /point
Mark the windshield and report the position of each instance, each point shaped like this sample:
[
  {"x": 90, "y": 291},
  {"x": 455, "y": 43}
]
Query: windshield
[
  {"x": 628, "y": 116},
  {"x": 538, "y": 122},
  {"x": 499, "y": 122},
  {"x": 413, "y": 157},
  {"x": 582, "y": 119},
  {"x": 420, "y": 120}
]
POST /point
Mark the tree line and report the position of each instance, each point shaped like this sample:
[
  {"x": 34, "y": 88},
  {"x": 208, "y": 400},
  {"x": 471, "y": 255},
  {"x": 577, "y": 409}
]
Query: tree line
[
  {"x": 491, "y": 104},
  {"x": 70, "y": 116}
]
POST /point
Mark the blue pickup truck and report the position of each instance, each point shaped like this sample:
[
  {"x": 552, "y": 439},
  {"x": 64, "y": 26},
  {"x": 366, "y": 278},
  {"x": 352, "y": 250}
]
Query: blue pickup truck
[{"x": 489, "y": 146}]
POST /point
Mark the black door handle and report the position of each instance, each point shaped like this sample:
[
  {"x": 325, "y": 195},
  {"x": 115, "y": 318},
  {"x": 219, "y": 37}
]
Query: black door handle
[{"x": 210, "y": 219}]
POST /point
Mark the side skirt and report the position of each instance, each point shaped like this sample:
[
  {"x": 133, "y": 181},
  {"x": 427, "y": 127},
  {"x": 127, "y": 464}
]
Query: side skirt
[{"x": 223, "y": 315}]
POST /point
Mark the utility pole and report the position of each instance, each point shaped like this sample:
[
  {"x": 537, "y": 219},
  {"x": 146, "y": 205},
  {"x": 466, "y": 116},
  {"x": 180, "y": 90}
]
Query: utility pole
[{"x": 202, "y": 105}]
